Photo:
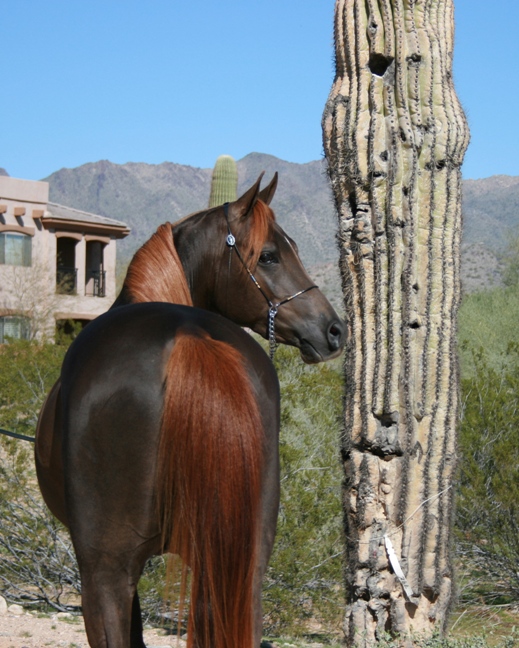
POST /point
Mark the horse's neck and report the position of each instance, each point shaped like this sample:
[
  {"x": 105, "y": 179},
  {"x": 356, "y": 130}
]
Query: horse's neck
[
  {"x": 156, "y": 273},
  {"x": 196, "y": 239}
]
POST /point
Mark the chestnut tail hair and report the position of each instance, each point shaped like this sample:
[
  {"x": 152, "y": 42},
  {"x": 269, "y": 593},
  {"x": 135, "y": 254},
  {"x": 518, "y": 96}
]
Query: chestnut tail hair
[
  {"x": 156, "y": 273},
  {"x": 209, "y": 472}
]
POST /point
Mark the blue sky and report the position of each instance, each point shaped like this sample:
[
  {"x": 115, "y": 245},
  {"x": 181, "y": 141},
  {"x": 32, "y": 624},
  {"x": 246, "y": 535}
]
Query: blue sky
[{"x": 164, "y": 80}]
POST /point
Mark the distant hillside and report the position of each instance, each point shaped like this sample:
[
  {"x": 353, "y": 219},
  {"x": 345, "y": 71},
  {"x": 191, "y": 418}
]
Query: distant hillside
[
  {"x": 145, "y": 195},
  {"x": 491, "y": 211},
  {"x": 141, "y": 195}
]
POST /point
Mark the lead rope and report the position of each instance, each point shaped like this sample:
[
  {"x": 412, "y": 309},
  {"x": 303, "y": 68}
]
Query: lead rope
[
  {"x": 273, "y": 311},
  {"x": 273, "y": 306}
]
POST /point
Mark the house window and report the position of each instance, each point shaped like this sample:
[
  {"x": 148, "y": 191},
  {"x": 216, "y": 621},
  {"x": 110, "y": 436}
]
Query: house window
[
  {"x": 15, "y": 249},
  {"x": 95, "y": 275},
  {"x": 66, "y": 271},
  {"x": 15, "y": 327}
]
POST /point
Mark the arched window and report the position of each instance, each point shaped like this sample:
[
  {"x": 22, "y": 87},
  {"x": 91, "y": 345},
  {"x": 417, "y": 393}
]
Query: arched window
[
  {"x": 66, "y": 271},
  {"x": 14, "y": 326},
  {"x": 15, "y": 249},
  {"x": 95, "y": 275}
]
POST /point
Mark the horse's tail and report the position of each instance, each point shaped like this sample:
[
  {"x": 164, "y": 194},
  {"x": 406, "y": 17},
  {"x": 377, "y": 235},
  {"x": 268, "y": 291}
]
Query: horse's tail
[{"x": 209, "y": 470}]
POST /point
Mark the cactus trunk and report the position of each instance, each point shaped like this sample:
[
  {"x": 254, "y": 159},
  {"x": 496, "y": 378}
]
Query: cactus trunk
[{"x": 394, "y": 137}]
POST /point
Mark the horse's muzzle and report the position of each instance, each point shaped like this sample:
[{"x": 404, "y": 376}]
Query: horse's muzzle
[{"x": 325, "y": 345}]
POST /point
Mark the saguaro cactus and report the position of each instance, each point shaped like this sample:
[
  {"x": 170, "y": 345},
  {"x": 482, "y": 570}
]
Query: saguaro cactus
[
  {"x": 395, "y": 136},
  {"x": 224, "y": 182}
]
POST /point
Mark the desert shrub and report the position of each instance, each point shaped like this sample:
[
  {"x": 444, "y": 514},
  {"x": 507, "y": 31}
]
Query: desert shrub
[
  {"x": 511, "y": 263},
  {"x": 28, "y": 370},
  {"x": 488, "y": 320},
  {"x": 439, "y": 641},
  {"x": 488, "y": 492},
  {"x": 37, "y": 565},
  {"x": 304, "y": 578}
]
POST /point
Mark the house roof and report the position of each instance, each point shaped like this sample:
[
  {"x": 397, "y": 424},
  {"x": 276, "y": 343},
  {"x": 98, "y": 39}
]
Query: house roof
[{"x": 61, "y": 217}]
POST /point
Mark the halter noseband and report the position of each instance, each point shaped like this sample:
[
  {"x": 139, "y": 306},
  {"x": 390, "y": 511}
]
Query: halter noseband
[{"x": 273, "y": 306}]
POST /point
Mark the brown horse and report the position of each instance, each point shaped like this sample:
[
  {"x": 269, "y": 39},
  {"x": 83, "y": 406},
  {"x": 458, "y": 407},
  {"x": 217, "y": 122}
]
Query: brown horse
[{"x": 162, "y": 433}]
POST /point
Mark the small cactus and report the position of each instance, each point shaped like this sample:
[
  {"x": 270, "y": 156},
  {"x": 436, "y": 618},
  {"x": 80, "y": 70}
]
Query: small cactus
[{"x": 224, "y": 183}]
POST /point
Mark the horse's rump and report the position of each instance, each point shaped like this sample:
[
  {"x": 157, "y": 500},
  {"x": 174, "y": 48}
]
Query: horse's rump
[{"x": 209, "y": 471}]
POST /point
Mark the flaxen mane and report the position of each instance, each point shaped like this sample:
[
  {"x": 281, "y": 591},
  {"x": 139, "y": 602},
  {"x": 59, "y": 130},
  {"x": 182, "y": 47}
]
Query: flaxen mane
[{"x": 155, "y": 272}]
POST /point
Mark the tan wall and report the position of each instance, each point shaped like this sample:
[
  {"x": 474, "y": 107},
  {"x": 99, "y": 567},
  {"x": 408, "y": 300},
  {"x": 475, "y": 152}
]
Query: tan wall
[{"x": 32, "y": 290}]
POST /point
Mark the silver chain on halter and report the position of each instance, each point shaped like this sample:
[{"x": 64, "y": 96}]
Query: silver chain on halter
[{"x": 273, "y": 306}]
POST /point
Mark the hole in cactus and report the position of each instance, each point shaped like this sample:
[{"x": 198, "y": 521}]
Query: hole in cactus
[
  {"x": 414, "y": 325},
  {"x": 414, "y": 58},
  {"x": 405, "y": 191},
  {"x": 378, "y": 64},
  {"x": 384, "y": 156},
  {"x": 440, "y": 165},
  {"x": 387, "y": 419},
  {"x": 353, "y": 203}
]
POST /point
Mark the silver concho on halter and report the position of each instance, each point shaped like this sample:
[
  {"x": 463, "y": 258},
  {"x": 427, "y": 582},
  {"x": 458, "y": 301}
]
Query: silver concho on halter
[{"x": 230, "y": 240}]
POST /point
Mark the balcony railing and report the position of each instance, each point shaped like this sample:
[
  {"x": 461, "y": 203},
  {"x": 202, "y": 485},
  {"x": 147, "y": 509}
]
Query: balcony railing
[
  {"x": 66, "y": 280},
  {"x": 96, "y": 283}
]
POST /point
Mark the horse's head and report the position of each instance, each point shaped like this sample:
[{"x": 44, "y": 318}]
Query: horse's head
[{"x": 259, "y": 281}]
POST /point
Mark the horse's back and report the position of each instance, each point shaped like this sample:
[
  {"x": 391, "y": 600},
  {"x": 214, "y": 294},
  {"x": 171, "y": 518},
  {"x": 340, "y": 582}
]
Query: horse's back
[
  {"x": 113, "y": 379},
  {"x": 122, "y": 356}
]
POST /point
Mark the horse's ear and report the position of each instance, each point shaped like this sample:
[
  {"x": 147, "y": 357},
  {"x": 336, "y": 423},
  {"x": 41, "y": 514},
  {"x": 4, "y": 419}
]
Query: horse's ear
[
  {"x": 268, "y": 193},
  {"x": 245, "y": 204}
]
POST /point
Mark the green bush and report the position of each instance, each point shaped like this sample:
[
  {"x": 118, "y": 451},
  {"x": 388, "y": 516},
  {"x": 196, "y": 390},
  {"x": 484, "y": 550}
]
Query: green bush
[
  {"x": 27, "y": 372},
  {"x": 488, "y": 499},
  {"x": 511, "y": 263},
  {"x": 303, "y": 588},
  {"x": 37, "y": 565},
  {"x": 488, "y": 320}
]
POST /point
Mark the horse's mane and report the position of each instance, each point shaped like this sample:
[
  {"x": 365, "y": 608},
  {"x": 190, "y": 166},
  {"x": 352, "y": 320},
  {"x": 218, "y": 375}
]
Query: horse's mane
[{"x": 156, "y": 273}]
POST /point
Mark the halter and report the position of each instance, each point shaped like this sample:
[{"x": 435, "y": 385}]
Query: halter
[{"x": 273, "y": 306}]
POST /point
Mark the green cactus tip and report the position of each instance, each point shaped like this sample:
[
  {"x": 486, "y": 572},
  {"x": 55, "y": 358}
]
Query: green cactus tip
[{"x": 224, "y": 182}]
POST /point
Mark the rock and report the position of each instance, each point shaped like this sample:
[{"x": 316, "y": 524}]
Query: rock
[
  {"x": 17, "y": 610},
  {"x": 3, "y": 606}
]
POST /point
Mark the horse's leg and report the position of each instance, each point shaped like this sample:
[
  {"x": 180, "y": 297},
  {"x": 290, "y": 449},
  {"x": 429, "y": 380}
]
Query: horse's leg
[
  {"x": 111, "y": 437},
  {"x": 136, "y": 640},
  {"x": 110, "y": 605},
  {"x": 270, "y": 508}
]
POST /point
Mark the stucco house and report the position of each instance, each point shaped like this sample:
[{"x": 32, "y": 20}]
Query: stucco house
[{"x": 57, "y": 264}]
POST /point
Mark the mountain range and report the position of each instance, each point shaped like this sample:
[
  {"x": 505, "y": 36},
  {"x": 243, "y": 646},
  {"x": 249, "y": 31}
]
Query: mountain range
[{"x": 146, "y": 195}]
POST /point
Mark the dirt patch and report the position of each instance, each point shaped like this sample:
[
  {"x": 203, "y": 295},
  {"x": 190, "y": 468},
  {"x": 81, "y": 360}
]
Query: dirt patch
[{"x": 29, "y": 630}]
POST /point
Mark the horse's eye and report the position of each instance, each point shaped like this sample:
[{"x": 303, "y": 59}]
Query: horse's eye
[{"x": 266, "y": 258}]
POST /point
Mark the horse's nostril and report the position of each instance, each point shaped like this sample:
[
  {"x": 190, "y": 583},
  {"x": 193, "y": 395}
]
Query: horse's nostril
[
  {"x": 335, "y": 335},
  {"x": 335, "y": 331}
]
